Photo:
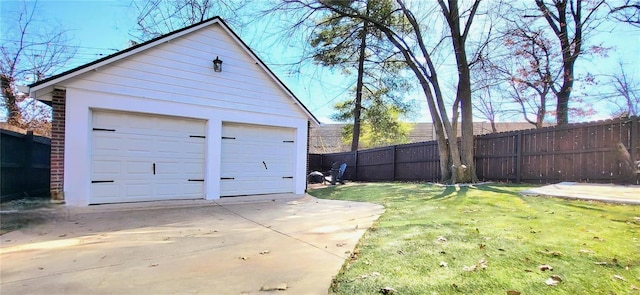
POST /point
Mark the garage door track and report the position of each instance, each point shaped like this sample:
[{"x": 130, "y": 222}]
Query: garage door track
[{"x": 282, "y": 244}]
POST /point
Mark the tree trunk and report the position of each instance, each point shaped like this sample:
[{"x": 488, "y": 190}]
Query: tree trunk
[
  {"x": 357, "y": 111},
  {"x": 562, "y": 112},
  {"x": 465, "y": 171}
]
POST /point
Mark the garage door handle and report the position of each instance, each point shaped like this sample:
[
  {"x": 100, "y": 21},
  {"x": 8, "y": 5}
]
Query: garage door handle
[{"x": 154, "y": 168}]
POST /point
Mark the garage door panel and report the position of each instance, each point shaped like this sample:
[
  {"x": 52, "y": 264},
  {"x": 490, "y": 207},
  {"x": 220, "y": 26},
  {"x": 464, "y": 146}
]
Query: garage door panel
[
  {"x": 105, "y": 143},
  {"x": 105, "y": 167},
  {"x": 137, "y": 189},
  {"x": 127, "y": 155},
  {"x": 139, "y": 169},
  {"x": 102, "y": 190}
]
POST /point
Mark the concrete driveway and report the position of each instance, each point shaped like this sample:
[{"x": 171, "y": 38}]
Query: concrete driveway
[{"x": 282, "y": 244}]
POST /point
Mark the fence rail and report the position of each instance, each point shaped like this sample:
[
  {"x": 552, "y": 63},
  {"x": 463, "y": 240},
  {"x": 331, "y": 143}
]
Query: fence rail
[
  {"x": 24, "y": 164},
  {"x": 583, "y": 152}
]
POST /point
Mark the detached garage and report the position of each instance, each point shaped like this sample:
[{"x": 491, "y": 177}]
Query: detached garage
[{"x": 163, "y": 120}]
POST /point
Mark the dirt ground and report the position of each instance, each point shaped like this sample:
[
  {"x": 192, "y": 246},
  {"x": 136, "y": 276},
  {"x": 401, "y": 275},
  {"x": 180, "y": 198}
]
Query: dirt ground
[{"x": 21, "y": 213}]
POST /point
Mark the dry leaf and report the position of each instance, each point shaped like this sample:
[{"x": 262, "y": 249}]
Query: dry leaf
[
  {"x": 243, "y": 257},
  {"x": 443, "y": 264},
  {"x": 265, "y": 252},
  {"x": 619, "y": 277},
  {"x": 553, "y": 280},
  {"x": 388, "y": 290},
  {"x": 545, "y": 267},
  {"x": 442, "y": 239},
  {"x": 602, "y": 263},
  {"x": 275, "y": 287},
  {"x": 340, "y": 244},
  {"x": 633, "y": 287},
  {"x": 512, "y": 292},
  {"x": 469, "y": 268},
  {"x": 483, "y": 263},
  {"x": 586, "y": 251}
]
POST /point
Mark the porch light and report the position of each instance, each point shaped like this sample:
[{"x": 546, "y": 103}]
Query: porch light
[{"x": 217, "y": 65}]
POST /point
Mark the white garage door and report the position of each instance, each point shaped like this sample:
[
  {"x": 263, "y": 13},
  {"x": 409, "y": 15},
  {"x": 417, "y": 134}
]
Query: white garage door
[
  {"x": 137, "y": 157},
  {"x": 256, "y": 160}
]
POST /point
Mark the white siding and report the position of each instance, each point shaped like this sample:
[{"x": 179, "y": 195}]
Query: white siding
[{"x": 181, "y": 71}]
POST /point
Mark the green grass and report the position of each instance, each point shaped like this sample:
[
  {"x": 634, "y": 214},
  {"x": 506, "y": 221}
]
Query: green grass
[{"x": 513, "y": 233}]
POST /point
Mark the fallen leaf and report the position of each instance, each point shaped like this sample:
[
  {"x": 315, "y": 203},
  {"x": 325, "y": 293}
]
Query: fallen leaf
[
  {"x": 545, "y": 267},
  {"x": 442, "y": 239},
  {"x": 243, "y": 257},
  {"x": 153, "y": 265},
  {"x": 633, "y": 287},
  {"x": 265, "y": 252},
  {"x": 528, "y": 270},
  {"x": 375, "y": 274},
  {"x": 62, "y": 236},
  {"x": 443, "y": 264},
  {"x": 619, "y": 277},
  {"x": 469, "y": 268},
  {"x": 586, "y": 251},
  {"x": 512, "y": 292},
  {"x": 274, "y": 287},
  {"x": 602, "y": 263},
  {"x": 483, "y": 263},
  {"x": 500, "y": 249},
  {"x": 553, "y": 280},
  {"x": 599, "y": 239},
  {"x": 340, "y": 244},
  {"x": 388, "y": 290},
  {"x": 482, "y": 246}
]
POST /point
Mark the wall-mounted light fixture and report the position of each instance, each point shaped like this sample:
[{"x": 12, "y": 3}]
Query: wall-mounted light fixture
[{"x": 217, "y": 65}]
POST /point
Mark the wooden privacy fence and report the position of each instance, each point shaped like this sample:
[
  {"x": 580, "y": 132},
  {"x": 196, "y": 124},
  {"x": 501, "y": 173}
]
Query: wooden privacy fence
[
  {"x": 24, "y": 164},
  {"x": 583, "y": 152}
]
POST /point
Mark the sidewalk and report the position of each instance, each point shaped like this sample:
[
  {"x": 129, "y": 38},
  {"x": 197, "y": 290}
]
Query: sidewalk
[{"x": 611, "y": 193}]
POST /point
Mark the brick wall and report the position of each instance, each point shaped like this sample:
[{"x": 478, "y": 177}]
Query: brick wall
[{"x": 58, "y": 103}]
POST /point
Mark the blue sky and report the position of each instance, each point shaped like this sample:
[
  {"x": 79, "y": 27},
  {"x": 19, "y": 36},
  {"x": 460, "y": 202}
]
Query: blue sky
[{"x": 102, "y": 27}]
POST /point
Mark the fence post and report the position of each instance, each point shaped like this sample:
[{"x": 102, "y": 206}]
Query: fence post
[
  {"x": 355, "y": 166},
  {"x": 518, "y": 156},
  {"x": 393, "y": 162},
  {"x": 634, "y": 139},
  {"x": 27, "y": 169}
]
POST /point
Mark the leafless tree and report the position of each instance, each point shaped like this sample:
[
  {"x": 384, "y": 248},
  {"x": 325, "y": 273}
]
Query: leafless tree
[
  {"x": 627, "y": 12},
  {"x": 626, "y": 98},
  {"x": 570, "y": 21},
  {"x": 158, "y": 17},
  {"x": 29, "y": 52}
]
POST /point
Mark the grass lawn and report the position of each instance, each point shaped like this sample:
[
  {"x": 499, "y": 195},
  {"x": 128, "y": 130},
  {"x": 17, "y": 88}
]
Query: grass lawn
[{"x": 489, "y": 240}]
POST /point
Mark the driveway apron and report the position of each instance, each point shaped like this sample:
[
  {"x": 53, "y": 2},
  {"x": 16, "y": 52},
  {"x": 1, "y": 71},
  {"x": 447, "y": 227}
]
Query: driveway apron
[{"x": 282, "y": 244}]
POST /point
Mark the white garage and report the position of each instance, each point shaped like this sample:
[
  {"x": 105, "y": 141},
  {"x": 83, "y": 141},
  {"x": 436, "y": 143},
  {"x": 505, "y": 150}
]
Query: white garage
[{"x": 163, "y": 120}]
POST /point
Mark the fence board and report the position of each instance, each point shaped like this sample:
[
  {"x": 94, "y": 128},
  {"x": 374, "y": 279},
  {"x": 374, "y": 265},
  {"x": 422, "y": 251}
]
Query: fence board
[
  {"x": 24, "y": 165},
  {"x": 576, "y": 152}
]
